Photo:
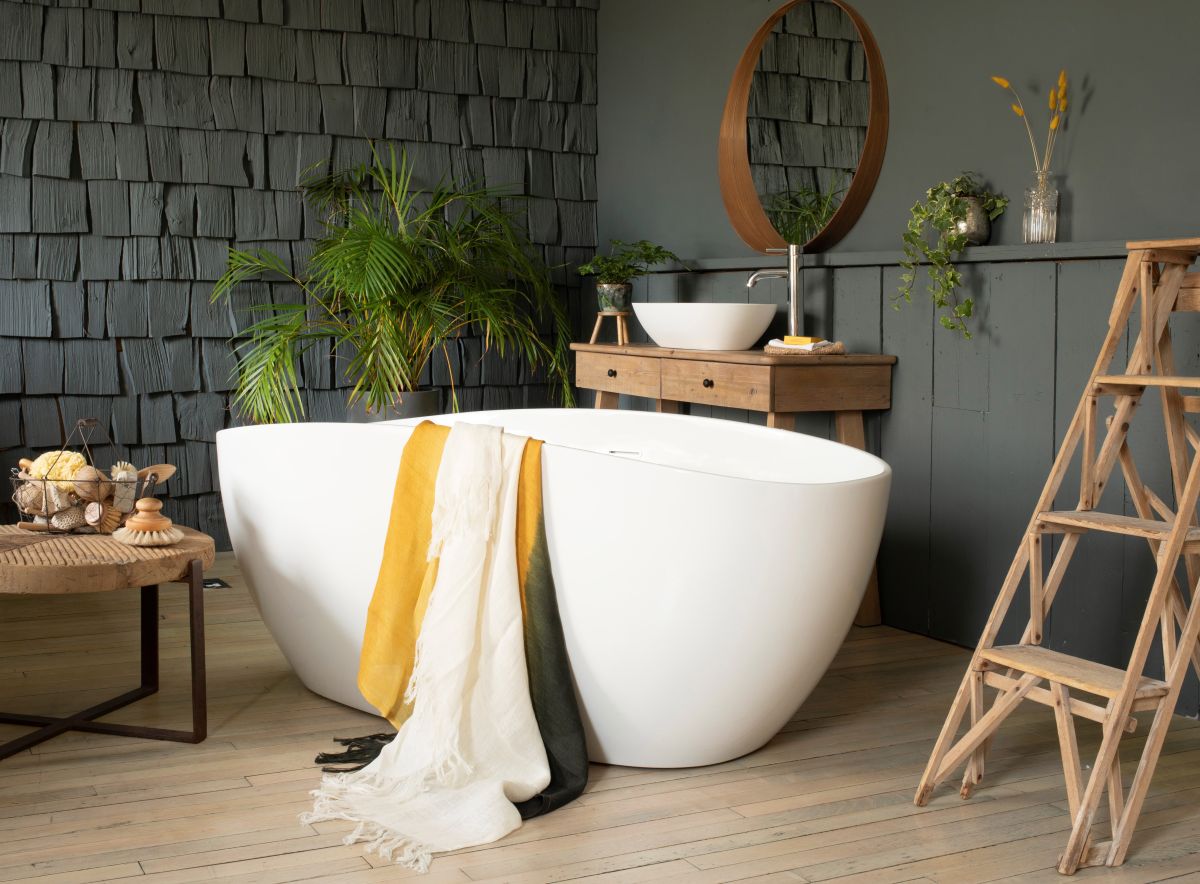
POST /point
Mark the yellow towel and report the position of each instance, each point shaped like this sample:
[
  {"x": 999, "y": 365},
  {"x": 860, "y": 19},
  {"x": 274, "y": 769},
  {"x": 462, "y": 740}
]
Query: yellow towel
[
  {"x": 406, "y": 578},
  {"x": 529, "y": 513}
]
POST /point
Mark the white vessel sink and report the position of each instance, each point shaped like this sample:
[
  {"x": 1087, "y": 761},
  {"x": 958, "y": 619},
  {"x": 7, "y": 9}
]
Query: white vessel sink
[{"x": 705, "y": 326}]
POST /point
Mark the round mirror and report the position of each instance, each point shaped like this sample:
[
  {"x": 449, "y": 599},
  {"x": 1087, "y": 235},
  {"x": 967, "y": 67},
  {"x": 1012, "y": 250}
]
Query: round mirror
[{"x": 805, "y": 127}]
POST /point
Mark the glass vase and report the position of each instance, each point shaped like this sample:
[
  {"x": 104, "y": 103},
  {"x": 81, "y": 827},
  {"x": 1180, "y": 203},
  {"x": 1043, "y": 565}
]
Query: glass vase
[{"x": 1040, "y": 221}]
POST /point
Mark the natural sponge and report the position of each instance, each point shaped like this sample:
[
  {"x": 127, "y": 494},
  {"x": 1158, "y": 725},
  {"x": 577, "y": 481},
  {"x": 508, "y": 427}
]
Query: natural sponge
[{"x": 60, "y": 466}]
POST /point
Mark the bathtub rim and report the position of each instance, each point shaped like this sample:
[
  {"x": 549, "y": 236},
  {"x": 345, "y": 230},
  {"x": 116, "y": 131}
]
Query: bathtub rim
[{"x": 884, "y": 469}]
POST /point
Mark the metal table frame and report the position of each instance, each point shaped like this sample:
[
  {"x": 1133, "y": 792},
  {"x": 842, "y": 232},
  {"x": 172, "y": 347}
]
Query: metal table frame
[{"x": 48, "y": 727}]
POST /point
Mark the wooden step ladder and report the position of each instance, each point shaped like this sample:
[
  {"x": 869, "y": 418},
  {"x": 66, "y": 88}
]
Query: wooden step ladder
[{"x": 1156, "y": 281}]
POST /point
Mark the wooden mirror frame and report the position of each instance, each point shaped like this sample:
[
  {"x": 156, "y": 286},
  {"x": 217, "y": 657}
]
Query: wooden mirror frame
[{"x": 742, "y": 202}]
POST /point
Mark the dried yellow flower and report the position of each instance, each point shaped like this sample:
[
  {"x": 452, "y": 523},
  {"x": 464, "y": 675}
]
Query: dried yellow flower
[
  {"x": 1054, "y": 123},
  {"x": 1062, "y": 105},
  {"x": 1001, "y": 82},
  {"x": 1062, "y": 79},
  {"x": 1053, "y": 98},
  {"x": 1018, "y": 110}
]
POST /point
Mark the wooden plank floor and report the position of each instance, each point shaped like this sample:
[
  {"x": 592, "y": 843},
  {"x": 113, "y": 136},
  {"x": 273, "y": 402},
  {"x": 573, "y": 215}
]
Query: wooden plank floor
[{"x": 828, "y": 799}]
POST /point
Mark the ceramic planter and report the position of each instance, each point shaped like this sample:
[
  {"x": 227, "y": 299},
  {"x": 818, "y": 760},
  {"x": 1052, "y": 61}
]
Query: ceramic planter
[
  {"x": 418, "y": 403},
  {"x": 613, "y": 296},
  {"x": 976, "y": 226}
]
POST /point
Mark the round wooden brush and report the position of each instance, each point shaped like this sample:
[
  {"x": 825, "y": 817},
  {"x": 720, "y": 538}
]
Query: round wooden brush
[{"x": 148, "y": 526}]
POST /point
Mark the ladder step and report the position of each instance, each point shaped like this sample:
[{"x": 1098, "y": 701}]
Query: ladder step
[
  {"x": 1074, "y": 672},
  {"x": 1122, "y": 383},
  {"x": 1111, "y": 523}
]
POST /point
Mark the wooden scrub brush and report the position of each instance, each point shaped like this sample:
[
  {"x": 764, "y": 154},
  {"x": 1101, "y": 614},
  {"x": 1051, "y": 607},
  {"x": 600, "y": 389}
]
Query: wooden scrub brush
[{"x": 148, "y": 526}]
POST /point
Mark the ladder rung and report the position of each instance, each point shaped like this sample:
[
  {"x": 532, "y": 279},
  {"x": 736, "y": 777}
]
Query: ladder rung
[
  {"x": 1074, "y": 672},
  {"x": 1115, "y": 383},
  {"x": 1131, "y": 526},
  {"x": 1083, "y": 709}
]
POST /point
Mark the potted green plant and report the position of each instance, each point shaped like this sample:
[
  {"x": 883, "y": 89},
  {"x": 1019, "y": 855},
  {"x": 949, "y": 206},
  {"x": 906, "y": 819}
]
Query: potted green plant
[
  {"x": 625, "y": 262},
  {"x": 943, "y": 224},
  {"x": 397, "y": 274}
]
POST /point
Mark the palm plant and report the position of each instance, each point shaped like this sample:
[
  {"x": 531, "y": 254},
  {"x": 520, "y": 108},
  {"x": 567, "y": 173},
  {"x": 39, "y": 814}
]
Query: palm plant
[{"x": 398, "y": 273}]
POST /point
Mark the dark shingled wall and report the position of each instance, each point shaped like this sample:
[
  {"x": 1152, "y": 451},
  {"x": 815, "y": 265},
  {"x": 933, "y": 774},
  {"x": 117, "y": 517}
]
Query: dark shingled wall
[{"x": 139, "y": 139}]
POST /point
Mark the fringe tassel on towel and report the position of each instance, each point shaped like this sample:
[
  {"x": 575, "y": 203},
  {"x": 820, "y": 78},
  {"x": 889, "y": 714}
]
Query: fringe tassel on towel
[{"x": 359, "y": 752}]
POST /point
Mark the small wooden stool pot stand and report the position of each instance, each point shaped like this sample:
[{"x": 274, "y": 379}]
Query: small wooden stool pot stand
[
  {"x": 1156, "y": 281},
  {"x": 620, "y": 317}
]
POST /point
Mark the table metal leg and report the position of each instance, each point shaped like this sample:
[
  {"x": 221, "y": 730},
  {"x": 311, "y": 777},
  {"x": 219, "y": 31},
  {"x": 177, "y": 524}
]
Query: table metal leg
[
  {"x": 199, "y": 678},
  {"x": 150, "y": 637},
  {"x": 50, "y": 726}
]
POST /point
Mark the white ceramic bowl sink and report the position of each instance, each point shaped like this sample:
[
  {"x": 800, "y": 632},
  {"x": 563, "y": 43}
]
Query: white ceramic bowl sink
[{"x": 705, "y": 326}]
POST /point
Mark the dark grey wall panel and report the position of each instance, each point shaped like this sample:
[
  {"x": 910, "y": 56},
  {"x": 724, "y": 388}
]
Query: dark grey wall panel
[
  {"x": 139, "y": 140},
  {"x": 1094, "y": 624}
]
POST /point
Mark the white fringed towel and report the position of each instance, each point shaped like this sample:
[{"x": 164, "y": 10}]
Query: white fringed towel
[{"x": 471, "y": 746}]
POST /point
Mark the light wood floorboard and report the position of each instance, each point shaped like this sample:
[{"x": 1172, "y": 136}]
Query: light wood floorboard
[{"x": 829, "y": 799}]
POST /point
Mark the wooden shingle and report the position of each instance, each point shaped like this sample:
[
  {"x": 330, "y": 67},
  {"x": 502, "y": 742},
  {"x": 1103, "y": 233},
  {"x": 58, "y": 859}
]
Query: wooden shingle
[
  {"x": 91, "y": 367},
  {"x": 52, "y": 148},
  {"x": 63, "y": 37}
]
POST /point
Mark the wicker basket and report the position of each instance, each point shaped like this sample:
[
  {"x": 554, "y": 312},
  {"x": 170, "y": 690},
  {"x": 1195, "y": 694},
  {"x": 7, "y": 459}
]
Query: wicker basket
[{"x": 93, "y": 504}]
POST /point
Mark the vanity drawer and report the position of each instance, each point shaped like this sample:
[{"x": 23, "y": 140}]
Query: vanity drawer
[
  {"x": 717, "y": 383},
  {"x": 633, "y": 375}
]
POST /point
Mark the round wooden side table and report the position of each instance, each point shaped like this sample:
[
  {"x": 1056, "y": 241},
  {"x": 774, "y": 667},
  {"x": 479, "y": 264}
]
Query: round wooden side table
[{"x": 34, "y": 563}]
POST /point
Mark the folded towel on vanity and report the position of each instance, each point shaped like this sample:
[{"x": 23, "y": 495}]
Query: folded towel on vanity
[
  {"x": 816, "y": 347},
  {"x": 464, "y": 654}
]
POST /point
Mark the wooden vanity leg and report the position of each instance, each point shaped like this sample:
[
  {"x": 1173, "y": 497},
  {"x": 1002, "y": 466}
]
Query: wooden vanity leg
[
  {"x": 605, "y": 399},
  {"x": 850, "y": 431},
  {"x": 669, "y": 406},
  {"x": 781, "y": 420}
]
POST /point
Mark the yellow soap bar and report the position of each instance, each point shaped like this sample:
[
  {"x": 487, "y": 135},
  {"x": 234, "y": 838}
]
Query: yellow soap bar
[{"x": 795, "y": 339}]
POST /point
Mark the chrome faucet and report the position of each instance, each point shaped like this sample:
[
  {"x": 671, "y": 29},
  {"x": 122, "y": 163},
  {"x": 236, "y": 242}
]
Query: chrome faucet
[{"x": 792, "y": 275}]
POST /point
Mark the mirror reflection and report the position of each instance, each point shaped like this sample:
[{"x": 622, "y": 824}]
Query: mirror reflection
[{"x": 807, "y": 120}]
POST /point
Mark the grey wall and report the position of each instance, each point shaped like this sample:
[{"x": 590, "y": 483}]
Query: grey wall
[
  {"x": 974, "y": 425},
  {"x": 1126, "y": 156},
  {"x": 138, "y": 140}
]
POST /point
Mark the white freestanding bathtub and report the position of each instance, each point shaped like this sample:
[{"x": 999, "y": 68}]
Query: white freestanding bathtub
[{"x": 707, "y": 571}]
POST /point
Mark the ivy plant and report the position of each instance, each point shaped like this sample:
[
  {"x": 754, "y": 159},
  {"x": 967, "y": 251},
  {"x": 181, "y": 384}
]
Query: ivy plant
[{"x": 932, "y": 237}]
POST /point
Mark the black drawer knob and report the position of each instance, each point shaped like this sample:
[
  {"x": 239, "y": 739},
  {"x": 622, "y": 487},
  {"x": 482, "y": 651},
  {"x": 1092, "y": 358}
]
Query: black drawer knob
[
  {"x": 612, "y": 372},
  {"x": 708, "y": 382}
]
